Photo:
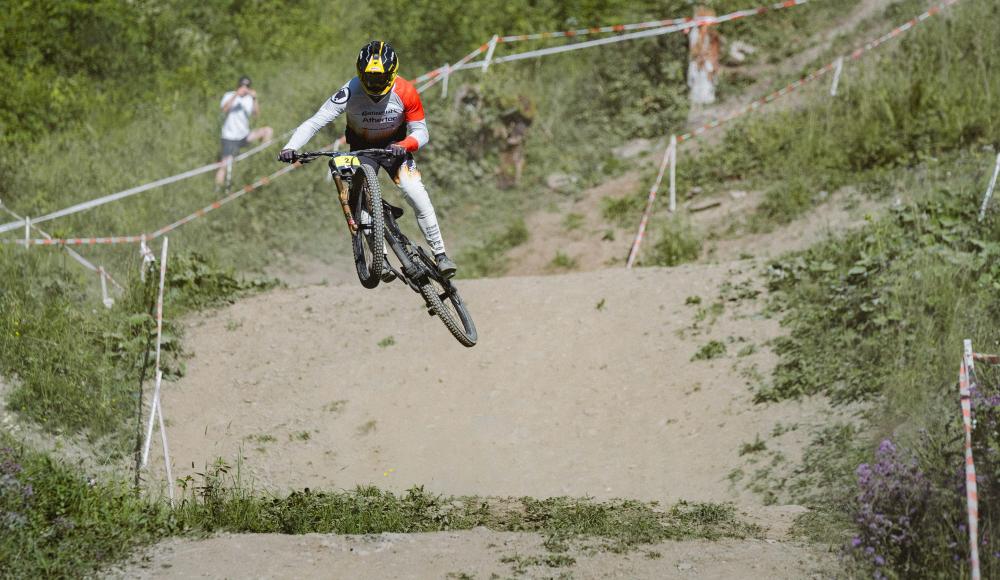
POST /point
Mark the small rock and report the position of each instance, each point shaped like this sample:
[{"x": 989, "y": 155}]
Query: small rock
[
  {"x": 739, "y": 51},
  {"x": 823, "y": 194},
  {"x": 633, "y": 148},
  {"x": 560, "y": 181},
  {"x": 738, "y": 194},
  {"x": 685, "y": 566}
]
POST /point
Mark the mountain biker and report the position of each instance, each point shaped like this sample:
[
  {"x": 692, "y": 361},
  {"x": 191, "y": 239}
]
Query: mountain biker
[{"x": 383, "y": 112}]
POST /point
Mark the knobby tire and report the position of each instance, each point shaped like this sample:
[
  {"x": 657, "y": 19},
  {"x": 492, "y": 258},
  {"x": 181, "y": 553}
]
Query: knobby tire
[
  {"x": 463, "y": 329},
  {"x": 370, "y": 199}
]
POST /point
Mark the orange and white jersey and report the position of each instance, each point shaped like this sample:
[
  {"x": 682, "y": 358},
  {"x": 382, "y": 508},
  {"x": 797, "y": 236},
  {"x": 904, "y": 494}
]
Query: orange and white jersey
[{"x": 395, "y": 118}]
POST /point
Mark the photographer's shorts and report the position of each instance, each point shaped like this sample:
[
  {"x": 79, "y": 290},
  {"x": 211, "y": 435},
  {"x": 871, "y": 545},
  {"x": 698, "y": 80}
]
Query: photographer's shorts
[{"x": 230, "y": 148}]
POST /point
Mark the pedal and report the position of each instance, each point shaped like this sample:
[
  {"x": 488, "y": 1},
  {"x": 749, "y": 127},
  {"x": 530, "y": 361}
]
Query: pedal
[{"x": 388, "y": 276}]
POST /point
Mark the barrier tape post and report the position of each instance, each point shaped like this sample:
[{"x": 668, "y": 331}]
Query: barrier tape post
[
  {"x": 105, "y": 299},
  {"x": 634, "y": 252},
  {"x": 989, "y": 191},
  {"x": 444, "y": 82},
  {"x": 489, "y": 52},
  {"x": 836, "y": 76},
  {"x": 163, "y": 438},
  {"x": 673, "y": 173},
  {"x": 965, "y": 384},
  {"x": 27, "y": 231},
  {"x": 154, "y": 407}
]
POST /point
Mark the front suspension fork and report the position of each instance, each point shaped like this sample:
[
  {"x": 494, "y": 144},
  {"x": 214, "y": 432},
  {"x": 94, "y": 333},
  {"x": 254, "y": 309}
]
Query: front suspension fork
[{"x": 345, "y": 204}]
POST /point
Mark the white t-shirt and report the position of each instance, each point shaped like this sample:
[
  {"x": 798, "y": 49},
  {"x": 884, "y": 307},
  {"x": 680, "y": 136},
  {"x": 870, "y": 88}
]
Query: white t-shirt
[{"x": 236, "y": 126}]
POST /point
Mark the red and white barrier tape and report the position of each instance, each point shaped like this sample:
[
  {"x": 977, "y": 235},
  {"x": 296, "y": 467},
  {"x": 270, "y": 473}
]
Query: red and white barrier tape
[
  {"x": 658, "y": 27},
  {"x": 966, "y": 382},
  {"x": 143, "y": 238},
  {"x": 87, "y": 205},
  {"x": 854, "y": 55},
  {"x": 761, "y": 102},
  {"x": 99, "y": 270},
  {"x": 440, "y": 71},
  {"x": 699, "y": 21}
]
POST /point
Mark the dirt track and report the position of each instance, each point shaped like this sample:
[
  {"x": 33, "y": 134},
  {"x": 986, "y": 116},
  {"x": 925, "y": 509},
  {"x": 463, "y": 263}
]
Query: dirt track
[
  {"x": 582, "y": 385},
  {"x": 559, "y": 398}
]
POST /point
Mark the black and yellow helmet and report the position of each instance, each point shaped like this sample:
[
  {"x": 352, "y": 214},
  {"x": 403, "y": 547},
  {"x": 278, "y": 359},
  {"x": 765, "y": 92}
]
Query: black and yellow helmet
[{"x": 377, "y": 66}]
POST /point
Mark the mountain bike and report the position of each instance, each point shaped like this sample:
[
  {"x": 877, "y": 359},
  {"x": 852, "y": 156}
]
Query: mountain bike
[{"x": 372, "y": 223}]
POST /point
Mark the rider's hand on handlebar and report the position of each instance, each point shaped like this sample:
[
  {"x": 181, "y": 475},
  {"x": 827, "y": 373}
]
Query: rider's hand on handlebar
[
  {"x": 397, "y": 150},
  {"x": 287, "y": 155}
]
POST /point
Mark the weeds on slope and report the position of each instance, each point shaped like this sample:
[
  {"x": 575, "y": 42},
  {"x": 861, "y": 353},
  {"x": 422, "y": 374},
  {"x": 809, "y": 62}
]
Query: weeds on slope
[
  {"x": 877, "y": 316},
  {"x": 221, "y": 501},
  {"x": 57, "y": 523}
]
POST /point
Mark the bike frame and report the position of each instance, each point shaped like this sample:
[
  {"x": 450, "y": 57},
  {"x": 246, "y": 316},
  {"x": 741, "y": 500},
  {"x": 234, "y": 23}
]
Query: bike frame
[{"x": 411, "y": 256}]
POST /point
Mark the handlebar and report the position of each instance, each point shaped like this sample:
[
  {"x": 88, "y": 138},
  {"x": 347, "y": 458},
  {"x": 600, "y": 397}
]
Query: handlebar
[{"x": 310, "y": 156}]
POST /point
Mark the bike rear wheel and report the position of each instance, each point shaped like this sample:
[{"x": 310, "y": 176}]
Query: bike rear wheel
[
  {"x": 369, "y": 241},
  {"x": 444, "y": 301}
]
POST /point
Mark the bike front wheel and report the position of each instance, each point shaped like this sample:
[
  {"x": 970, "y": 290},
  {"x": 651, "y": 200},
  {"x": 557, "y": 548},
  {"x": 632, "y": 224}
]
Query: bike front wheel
[{"x": 369, "y": 240}]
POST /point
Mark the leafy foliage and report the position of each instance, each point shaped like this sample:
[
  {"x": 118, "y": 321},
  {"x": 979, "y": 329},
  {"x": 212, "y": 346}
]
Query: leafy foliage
[{"x": 56, "y": 523}]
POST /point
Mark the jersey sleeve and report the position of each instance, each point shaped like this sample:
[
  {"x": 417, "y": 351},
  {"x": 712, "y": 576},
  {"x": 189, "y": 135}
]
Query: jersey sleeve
[
  {"x": 413, "y": 112},
  {"x": 331, "y": 109},
  {"x": 225, "y": 98}
]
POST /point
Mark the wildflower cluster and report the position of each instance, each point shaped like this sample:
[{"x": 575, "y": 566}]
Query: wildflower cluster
[
  {"x": 910, "y": 505},
  {"x": 892, "y": 501},
  {"x": 15, "y": 496}
]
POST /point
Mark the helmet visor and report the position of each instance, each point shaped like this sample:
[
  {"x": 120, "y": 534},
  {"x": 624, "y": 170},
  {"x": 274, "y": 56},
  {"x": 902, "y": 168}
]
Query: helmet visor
[{"x": 377, "y": 83}]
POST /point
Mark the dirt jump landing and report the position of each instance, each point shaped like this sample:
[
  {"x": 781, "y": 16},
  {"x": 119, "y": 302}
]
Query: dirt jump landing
[{"x": 581, "y": 385}]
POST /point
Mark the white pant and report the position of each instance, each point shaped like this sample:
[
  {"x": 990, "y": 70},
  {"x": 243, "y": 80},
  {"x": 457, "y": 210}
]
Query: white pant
[{"x": 416, "y": 195}]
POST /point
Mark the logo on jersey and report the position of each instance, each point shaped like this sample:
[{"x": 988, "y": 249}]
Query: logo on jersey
[{"x": 342, "y": 96}]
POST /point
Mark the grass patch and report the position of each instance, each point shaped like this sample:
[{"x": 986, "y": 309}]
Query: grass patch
[
  {"x": 676, "y": 243},
  {"x": 711, "y": 350},
  {"x": 563, "y": 262},
  {"x": 623, "y": 211},
  {"x": 756, "y": 446},
  {"x": 572, "y": 222}
]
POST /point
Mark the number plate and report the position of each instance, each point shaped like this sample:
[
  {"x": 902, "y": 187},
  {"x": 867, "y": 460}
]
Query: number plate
[{"x": 346, "y": 161}]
